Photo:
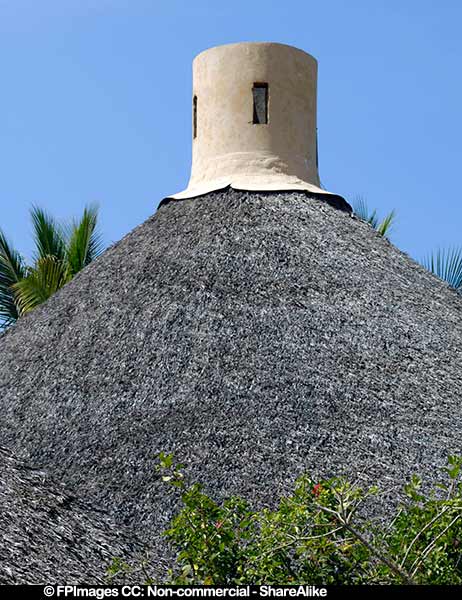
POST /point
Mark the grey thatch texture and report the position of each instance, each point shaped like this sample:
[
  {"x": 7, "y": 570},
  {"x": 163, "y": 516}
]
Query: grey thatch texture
[
  {"x": 254, "y": 335},
  {"x": 49, "y": 536}
]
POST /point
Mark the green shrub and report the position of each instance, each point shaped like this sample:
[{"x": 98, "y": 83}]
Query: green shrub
[{"x": 316, "y": 535}]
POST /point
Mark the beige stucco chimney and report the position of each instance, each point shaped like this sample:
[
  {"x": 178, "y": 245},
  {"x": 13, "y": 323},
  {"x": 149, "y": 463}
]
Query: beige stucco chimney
[{"x": 254, "y": 120}]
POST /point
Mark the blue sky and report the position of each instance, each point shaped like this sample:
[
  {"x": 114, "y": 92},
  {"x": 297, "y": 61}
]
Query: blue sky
[{"x": 95, "y": 104}]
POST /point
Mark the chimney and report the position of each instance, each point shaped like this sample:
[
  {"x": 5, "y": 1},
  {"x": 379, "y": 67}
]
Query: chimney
[{"x": 254, "y": 120}]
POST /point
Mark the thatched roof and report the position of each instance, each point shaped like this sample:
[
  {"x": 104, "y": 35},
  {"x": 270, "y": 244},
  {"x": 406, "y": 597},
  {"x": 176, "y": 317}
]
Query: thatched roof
[
  {"x": 49, "y": 536},
  {"x": 254, "y": 335}
]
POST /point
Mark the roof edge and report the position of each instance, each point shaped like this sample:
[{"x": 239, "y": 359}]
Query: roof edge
[{"x": 311, "y": 191}]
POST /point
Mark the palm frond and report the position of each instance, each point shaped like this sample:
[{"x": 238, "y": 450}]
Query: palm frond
[
  {"x": 386, "y": 225},
  {"x": 362, "y": 211},
  {"x": 43, "y": 280},
  {"x": 360, "y": 208},
  {"x": 446, "y": 264},
  {"x": 84, "y": 242},
  {"x": 48, "y": 235},
  {"x": 12, "y": 270}
]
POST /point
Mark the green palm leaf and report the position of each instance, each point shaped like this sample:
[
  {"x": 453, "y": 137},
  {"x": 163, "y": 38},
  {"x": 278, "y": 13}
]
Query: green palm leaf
[
  {"x": 83, "y": 241},
  {"x": 59, "y": 255},
  {"x": 447, "y": 265},
  {"x": 48, "y": 235},
  {"x": 384, "y": 228},
  {"x": 41, "y": 282},
  {"x": 12, "y": 270},
  {"x": 362, "y": 211}
]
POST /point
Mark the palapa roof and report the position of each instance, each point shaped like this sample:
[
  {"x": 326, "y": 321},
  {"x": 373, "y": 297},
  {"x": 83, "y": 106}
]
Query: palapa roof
[
  {"x": 49, "y": 536},
  {"x": 256, "y": 336}
]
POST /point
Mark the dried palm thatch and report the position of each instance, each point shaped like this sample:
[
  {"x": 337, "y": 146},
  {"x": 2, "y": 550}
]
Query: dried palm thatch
[
  {"x": 254, "y": 335},
  {"x": 49, "y": 536}
]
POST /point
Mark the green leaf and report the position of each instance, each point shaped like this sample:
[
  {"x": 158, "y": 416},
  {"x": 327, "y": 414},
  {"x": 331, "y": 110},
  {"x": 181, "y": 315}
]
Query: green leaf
[
  {"x": 447, "y": 265},
  {"x": 12, "y": 270},
  {"x": 165, "y": 460},
  {"x": 386, "y": 225},
  {"x": 42, "y": 281},
  {"x": 48, "y": 235},
  {"x": 57, "y": 258},
  {"x": 83, "y": 241},
  {"x": 361, "y": 210},
  {"x": 455, "y": 466}
]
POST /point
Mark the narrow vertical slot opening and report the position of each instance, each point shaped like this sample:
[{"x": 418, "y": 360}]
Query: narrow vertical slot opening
[
  {"x": 195, "y": 117},
  {"x": 260, "y": 103}
]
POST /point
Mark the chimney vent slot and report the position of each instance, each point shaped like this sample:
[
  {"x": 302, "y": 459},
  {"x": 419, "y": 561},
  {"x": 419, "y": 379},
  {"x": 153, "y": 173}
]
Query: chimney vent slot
[
  {"x": 260, "y": 103},
  {"x": 195, "y": 117}
]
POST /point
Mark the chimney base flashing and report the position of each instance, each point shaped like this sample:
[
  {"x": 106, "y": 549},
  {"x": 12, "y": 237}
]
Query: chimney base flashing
[
  {"x": 250, "y": 183},
  {"x": 263, "y": 186}
]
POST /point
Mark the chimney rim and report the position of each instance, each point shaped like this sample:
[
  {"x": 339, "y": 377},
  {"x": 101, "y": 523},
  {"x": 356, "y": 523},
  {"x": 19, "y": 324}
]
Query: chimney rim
[{"x": 280, "y": 44}]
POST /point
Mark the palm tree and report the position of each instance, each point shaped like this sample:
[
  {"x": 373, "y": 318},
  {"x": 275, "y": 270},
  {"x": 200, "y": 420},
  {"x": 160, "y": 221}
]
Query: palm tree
[
  {"x": 446, "y": 264},
  {"x": 362, "y": 211},
  {"x": 60, "y": 253},
  {"x": 12, "y": 270}
]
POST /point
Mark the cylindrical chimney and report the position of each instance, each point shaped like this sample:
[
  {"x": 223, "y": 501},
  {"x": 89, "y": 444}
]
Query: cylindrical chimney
[{"x": 254, "y": 120}]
